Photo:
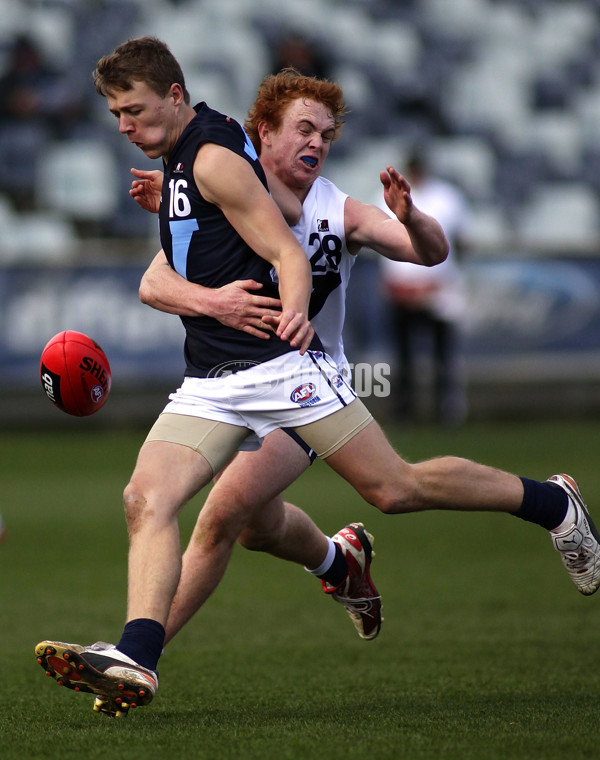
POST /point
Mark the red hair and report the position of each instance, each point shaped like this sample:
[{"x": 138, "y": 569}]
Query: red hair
[{"x": 277, "y": 91}]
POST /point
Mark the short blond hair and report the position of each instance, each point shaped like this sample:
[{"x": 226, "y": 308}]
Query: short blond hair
[{"x": 145, "y": 59}]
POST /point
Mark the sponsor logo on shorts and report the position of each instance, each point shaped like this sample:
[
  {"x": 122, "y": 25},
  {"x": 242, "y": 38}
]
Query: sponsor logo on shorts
[
  {"x": 337, "y": 381},
  {"x": 305, "y": 394}
]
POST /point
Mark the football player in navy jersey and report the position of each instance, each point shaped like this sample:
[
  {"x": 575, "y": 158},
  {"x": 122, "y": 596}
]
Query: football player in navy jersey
[
  {"x": 248, "y": 499},
  {"x": 293, "y": 386}
]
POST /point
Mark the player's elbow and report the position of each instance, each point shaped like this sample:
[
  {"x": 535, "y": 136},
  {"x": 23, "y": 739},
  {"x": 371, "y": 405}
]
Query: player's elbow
[
  {"x": 438, "y": 254},
  {"x": 146, "y": 293},
  {"x": 445, "y": 251}
]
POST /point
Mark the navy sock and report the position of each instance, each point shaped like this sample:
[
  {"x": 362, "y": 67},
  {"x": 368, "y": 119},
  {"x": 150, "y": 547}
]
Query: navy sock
[
  {"x": 143, "y": 640},
  {"x": 545, "y": 504},
  {"x": 338, "y": 570}
]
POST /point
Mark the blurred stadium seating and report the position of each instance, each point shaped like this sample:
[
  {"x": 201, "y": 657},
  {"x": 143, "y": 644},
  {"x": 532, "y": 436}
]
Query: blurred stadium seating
[
  {"x": 505, "y": 92},
  {"x": 503, "y": 95}
]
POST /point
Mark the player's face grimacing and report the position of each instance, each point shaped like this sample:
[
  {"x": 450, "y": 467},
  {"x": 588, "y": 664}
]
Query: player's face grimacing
[
  {"x": 301, "y": 144},
  {"x": 147, "y": 119}
]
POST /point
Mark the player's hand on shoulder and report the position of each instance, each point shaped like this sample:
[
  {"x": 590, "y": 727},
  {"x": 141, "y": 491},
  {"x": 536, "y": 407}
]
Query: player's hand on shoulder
[
  {"x": 146, "y": 189},
  {"x": 396, "y": 191},
  {"x": 238, "y": 306}
]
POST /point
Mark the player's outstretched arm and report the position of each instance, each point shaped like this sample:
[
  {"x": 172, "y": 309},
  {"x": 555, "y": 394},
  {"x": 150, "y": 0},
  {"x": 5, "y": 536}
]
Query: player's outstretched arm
[
  {"x": 235, "y": 304},
  {"x": 255, "y": 216},
  {"x": 412, "y": 236}
]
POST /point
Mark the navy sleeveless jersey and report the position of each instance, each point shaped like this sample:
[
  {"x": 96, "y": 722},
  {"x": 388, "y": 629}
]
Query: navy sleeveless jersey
[{"x": 202, "y": 246}]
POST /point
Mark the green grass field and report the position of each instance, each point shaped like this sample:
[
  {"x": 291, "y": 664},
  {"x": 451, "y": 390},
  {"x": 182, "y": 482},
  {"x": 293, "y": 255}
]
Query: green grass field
[{"x": 487, "y": 651}]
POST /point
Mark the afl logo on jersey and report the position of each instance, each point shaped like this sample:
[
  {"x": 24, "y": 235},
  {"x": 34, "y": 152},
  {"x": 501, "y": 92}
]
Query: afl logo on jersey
[{"x": 305, "y": 394}]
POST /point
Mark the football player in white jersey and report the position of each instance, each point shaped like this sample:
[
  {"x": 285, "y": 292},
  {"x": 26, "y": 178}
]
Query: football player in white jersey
[{"x": 293, "y": 140}]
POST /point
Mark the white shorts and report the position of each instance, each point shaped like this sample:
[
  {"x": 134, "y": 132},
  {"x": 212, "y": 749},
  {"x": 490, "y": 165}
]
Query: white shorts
[{"x": 288, "y": 391}]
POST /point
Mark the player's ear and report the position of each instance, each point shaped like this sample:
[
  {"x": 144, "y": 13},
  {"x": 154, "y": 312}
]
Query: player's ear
[
  {"x": 176, "y": 92},
  {"x": 264, "y": 132}
]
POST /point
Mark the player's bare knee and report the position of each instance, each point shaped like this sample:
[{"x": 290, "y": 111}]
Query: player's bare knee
[
  {"x": 135, "y": 505},
  {"x": 266, "y": 528},
  {"x": 256, "y": 541},
  {"x": 249, "y": 540},
  {"x": 394, "y": 498},
  {"x": 213, "y": 530}
]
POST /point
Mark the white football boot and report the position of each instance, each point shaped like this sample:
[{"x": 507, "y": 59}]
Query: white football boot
[{"x": 579, "y": 543}]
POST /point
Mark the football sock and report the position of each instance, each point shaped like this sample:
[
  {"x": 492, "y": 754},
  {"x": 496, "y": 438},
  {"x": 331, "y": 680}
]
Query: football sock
[
  {"x": 327, "y": 562},
  {"x": 338, "y": 570},
  {"x": 143, "y": 640},
  {"x": 334, "y": 567},
  {"x": 568, "y": 521},
  {"x": 544, "y": 504}
]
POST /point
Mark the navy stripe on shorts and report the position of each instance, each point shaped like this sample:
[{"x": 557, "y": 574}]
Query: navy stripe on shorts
[{"x": 310, "y": 453}]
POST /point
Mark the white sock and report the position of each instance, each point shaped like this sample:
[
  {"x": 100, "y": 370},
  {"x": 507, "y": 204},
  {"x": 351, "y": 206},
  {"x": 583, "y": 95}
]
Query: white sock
[
  {"x": 327, "y": 562},
  {"x": 568, "y": 521}
]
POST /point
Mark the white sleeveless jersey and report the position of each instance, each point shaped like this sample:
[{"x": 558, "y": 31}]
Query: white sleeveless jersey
[{"x": 320, "y": 232}]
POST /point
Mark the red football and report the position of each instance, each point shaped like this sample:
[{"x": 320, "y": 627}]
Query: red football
[{"x": 75, "y": 373}]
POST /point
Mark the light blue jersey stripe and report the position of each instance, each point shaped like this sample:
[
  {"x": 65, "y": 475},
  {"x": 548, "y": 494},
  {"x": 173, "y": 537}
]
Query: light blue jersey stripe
[
  {"x": 181, "y": 234},
  {"x": 250, "y": 149}
]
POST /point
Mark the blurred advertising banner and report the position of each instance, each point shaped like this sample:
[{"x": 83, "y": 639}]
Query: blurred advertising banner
[
  {"x": 528, "y": 317},
  {"x": 523, "y": 317},
  {"x": 143, "y": 345}
]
